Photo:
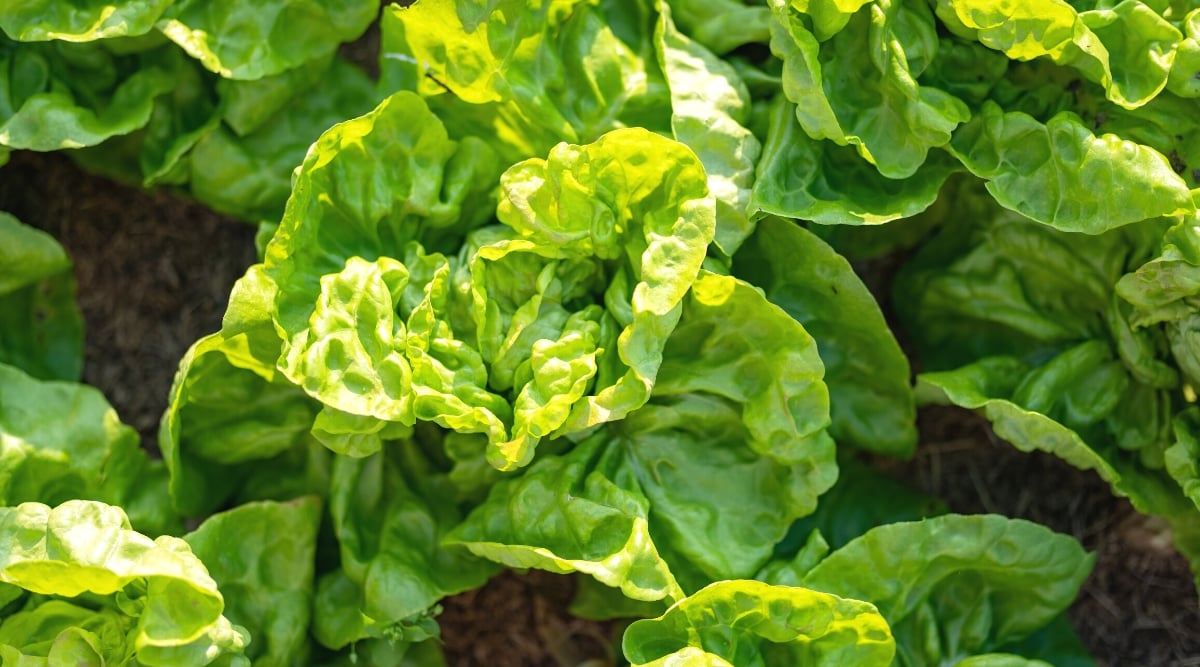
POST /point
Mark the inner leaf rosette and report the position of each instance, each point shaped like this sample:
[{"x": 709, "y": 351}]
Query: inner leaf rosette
[{"x": 550, "y": 323}]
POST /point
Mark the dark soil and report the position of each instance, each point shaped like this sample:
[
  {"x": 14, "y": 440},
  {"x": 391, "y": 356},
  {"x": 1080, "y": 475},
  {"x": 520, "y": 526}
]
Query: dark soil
[
  {"x": 155, "y": 271},
  {"x": 1139, "y": 605}
]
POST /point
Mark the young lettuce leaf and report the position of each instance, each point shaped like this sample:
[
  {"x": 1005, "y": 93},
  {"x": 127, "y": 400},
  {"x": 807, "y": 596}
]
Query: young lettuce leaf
[
  {"x": 527, "y": 74},
  {"x": 459, "y": 340}
]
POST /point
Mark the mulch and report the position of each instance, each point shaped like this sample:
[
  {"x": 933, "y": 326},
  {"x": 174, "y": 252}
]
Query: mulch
[{"x": 155, "y": 270}]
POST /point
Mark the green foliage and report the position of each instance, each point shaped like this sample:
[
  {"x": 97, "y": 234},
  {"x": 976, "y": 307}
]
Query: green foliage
[{"x": 567, "y": 288}]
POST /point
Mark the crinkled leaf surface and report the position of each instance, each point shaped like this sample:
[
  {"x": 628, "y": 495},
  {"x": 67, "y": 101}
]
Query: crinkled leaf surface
[
  {"x": 704, "y": 480},
  {"x": 61, "y": 95},
  {"x": 62, "y": 440},
  {"x": 528, "y": 74},
  {"x": 88, "y": 547},
  {"x": 390, "y": 515},
  {"x": 956, "y": 586},
  {"x": 873, "y": 103},
  {"x": 231, "y": 414},
  {"x": 261, "y": 556},
  {"x": 1061, "y": 174},
  {"x": 580, "y": 512},
  {"x": 716, "y": 506},
  {"x": 56, "y": 632},
  {"x": 377, "y": 326},
  {"x": 367, "y": 189},
  {"x": 245, "y": 168},
  {"x": 752, "y": 623},
  {"x": 811, "y": 179},
  {"x": 1128, "y": 49},
  {"x": 738, "y": 345}
]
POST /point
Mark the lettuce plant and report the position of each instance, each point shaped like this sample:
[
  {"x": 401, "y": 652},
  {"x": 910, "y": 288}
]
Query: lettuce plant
[{"x": 568, "y": 289}]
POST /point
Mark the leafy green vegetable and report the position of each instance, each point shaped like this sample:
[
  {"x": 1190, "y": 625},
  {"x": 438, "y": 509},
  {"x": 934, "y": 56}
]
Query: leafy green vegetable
[
  {"x": 261, "y": 555},
  {"x": 955, "y": 586},
  {"x": 60, "y": 441},
  {"x": 700, "y": 484},
  {"x": 873, "y": 103},
  {"x": 536, "y": 310},
  {"x": 90, "y": 92},
  {"x": 1128, "y": 49},
  {"x": 528, "y": 75},
  {"x": 752, "y": 623},
  {"x": 244, "y": 167},
  {"x": 157, "y": 589},
  {"x": 571, "y": 232},
  {"x": 41, "y": 20},
  {"x": 37, "y": 298},
  {"x": 1061, "y": 174},
  {"x": 801, "y": 177},
  {"x": 393, "y": 567},
  {"x": 710, "y": 107},
  {"x": 241, "y": 41},
  {"x": 868, "y": 376}
]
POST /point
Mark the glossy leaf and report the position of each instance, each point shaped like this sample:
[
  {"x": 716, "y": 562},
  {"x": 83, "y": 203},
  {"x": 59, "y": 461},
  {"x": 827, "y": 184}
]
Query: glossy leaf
[
  {"x": 752, "y": 623},
  {"x": 88, "y": 547},
  {"x": 242, "y": 41},
  {"x": 871, "y": 400},
  {"x": 956, "y": 586},
  {"x": 1060, "y": 174},
  {"x": 61, "y": 441},
  {"x": 710, "y": 106},
  {"x": 261, "y": 556}
]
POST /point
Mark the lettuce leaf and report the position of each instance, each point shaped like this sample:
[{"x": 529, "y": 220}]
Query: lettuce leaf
[
  {"x": 91, "y": 92},
  {"x": 61, "y": 441},
  {"x": 261, "y": 556},
  {"x": 390, "y": 517},
  {"x": 43, "y": 335},
  {"x": 241, "y": 41},
  {"x": 1128, "y": 49},
  {"x": 752, "y": 623},
  {"x": 871, "y": 399},
  {"x": 526, "y": 74},
  {"x": 873, "y": 103},
  {"x": 710, "y": 107},
  {"x": 1020, "y": 156},
  {"x": 957, "y": 586},
  {"x": 170, "y": 605},
  {"x": 460, "y": 340},
  {"x": 41, "y": 20},
  {"x": 672, "y": 485}
]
